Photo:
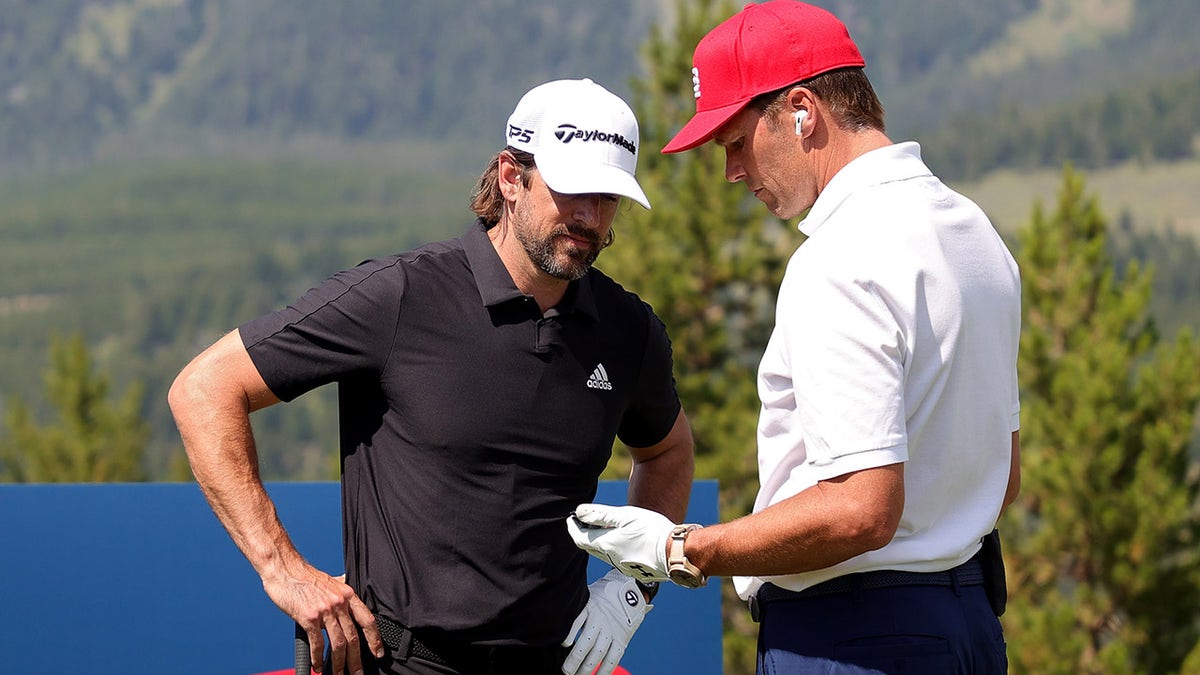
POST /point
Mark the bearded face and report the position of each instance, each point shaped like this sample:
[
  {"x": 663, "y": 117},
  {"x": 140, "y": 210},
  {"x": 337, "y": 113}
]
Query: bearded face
[{"x": 563, "y": 235}]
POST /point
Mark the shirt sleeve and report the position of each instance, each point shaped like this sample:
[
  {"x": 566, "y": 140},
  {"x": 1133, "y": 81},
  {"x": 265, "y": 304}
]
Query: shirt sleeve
[
  {"x": 344, "y": 326},
  {"x": 847, "y": 355}
]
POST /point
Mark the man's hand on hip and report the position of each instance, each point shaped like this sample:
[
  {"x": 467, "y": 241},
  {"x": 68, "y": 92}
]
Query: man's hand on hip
[
  {"x": 603, "y": 629},
  {"x": 631, "y": 539},
  {"x": 319, "y": 602}
]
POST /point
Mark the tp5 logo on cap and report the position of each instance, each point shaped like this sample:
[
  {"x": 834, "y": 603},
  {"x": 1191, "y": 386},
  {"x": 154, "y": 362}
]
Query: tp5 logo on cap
[{"x": 519, "y": 134}]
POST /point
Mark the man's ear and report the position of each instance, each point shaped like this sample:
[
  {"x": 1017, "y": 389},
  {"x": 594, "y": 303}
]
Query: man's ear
[
  {"x": 509, "y": 175},
  {"x": 801, "y": 101}
]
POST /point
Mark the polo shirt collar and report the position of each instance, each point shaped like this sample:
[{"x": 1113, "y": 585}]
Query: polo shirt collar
[
  {"x": 900, "y": 161},
  {"x": 496, "y": 286}
]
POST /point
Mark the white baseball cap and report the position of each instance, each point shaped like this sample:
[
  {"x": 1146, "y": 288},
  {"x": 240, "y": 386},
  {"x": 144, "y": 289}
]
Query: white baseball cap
[{"x": 583, "y": 137}]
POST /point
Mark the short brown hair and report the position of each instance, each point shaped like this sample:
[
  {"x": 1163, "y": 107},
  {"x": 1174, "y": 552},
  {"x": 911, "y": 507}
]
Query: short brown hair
[
  {"x": 486, "y": 200},
  {"x": 847, "y": 91}
]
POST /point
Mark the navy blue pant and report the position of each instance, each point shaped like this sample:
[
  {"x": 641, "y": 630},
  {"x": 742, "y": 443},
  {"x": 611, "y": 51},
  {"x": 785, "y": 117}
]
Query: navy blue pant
[{"x": 926, "y": 630}]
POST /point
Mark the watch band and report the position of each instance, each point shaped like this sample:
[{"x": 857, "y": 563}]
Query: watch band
[{"x": 680, "y": 570}]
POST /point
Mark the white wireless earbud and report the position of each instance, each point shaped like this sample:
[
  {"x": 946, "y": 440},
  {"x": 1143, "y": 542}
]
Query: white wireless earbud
[{"x": 800, "y": 115}]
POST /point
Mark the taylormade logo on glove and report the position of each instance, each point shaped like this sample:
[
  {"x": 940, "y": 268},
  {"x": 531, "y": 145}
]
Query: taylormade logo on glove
[
  {"x": 631, "y": 539},
  {"x": 603, "y": 629}
]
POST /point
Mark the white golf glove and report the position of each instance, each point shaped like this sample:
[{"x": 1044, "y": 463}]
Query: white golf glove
[
  {"x": 614, "y": 610},
  {"x": 631, "y": 539}
]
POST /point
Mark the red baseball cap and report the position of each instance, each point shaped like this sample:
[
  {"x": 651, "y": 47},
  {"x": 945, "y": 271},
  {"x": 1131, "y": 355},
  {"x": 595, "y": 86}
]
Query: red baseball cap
[{"x": 762, "y": 48}]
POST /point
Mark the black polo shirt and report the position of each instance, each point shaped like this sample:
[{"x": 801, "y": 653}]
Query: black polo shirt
[{"x": 471, "y": 425}]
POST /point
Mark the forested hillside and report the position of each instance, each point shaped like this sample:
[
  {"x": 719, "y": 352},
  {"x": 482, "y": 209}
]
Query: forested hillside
[
  {"x": 81, "y": 73},
  {"x": 152, "y": 261},
  {"x": 944, "y": 62},
  {"x": 170, "y": 168},
  {"x": 83, "y": 78}
]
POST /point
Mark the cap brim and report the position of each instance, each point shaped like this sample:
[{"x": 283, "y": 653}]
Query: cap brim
[
  {"x": 700, "y": 129},
  {"x": 571, "y": 179}
]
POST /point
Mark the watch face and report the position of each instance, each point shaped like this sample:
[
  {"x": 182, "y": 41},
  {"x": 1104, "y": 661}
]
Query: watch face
[{"x": 687, "y": 578}]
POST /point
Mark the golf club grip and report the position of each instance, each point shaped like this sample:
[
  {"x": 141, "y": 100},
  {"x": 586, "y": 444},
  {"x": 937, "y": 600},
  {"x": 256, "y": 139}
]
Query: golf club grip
[{"x": 303, "y": 656}]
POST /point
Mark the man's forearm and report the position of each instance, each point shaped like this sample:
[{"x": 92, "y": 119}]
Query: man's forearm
[
  {"x": 224, "y": 461},
  {"x": 240, "y": 501},
  {"x": 821, "y": 526}
]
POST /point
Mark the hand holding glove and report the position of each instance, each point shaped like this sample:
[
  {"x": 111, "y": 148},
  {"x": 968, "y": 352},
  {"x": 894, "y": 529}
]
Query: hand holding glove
[
  {"x": 603, "y": 629},
  {"x": 631, "y": 539}
]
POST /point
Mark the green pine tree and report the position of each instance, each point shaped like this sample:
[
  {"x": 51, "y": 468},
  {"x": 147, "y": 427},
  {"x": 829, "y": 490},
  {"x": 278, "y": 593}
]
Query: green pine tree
[
  {"x": 709, "y": 260},
  {"x": 1103, "y": 545},
  {"x": 95, "y": 439}
]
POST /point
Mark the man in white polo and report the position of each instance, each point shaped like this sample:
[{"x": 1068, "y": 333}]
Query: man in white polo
[{"x": 888, "y": 430}]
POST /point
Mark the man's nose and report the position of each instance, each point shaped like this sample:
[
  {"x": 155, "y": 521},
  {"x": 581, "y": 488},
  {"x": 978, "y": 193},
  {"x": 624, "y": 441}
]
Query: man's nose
[
  {"x": 587, "y": 208},
  {"x": 733, "y": 169}
]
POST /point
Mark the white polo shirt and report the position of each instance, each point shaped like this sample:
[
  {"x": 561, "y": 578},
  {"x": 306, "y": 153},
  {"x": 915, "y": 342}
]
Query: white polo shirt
[{"x": 895, "y": 340}]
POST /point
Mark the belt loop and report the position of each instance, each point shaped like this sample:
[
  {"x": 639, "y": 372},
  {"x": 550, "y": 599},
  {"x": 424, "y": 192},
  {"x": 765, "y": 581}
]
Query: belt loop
[
  {"x": 404, "y": 646},
  {"x": 954, "y": 582},
  {"x": 857, "y": 593},
  {"x": 399, "y": 639}
]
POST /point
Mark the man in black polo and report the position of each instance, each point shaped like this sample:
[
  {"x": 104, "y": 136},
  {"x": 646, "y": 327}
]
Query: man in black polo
[{"x": 481, "y": 382}]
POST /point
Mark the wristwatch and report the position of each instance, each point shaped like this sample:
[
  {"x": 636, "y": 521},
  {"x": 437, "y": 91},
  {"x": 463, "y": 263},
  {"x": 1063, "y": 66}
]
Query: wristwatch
[{"x": 680, "y": 570}]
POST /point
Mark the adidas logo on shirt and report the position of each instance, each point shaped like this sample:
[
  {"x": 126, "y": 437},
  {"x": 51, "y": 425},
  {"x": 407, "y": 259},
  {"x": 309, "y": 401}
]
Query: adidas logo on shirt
[{"x": 599, "y": 379}]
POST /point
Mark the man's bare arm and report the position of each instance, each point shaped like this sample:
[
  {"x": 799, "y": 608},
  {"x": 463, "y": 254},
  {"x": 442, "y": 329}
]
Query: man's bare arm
[
  {"x": 211, "y": 400},
  {"x": 661, "y": 478},
  {"x": 826, "y": 524}
]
